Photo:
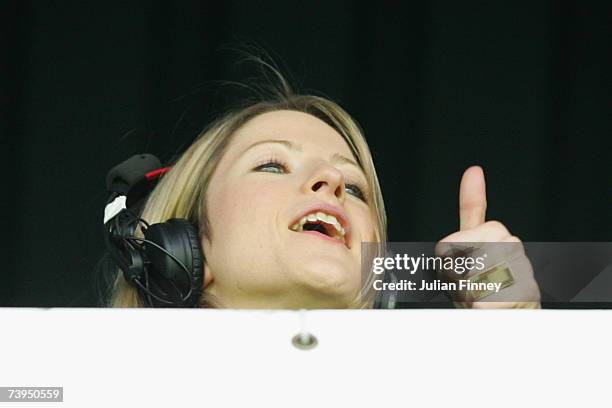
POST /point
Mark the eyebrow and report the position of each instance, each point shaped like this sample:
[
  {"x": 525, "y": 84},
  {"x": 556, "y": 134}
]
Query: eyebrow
[{"x": 336, "y": 157}]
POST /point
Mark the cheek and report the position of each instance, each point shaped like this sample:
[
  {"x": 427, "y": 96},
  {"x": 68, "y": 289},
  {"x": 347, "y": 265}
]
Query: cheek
[
  {"x": 244, "y": 208},
  {"x": 367, "y": 225}
]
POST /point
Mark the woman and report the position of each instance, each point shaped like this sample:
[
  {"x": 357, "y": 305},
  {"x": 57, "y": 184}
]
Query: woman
[{"x": 258, "y": 180}]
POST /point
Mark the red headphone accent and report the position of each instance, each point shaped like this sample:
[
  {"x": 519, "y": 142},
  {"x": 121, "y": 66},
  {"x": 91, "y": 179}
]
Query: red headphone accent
[{"x": 155, "y": 174}]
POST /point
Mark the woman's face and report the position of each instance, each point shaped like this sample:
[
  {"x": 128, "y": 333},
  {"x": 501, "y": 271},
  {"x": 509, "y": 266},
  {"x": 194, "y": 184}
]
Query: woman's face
[{"x": 287, "y": 212}]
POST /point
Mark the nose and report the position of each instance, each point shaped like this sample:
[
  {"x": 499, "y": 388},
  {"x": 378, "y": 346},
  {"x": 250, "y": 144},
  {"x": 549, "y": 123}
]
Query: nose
[{"x": 326, "y": 179}]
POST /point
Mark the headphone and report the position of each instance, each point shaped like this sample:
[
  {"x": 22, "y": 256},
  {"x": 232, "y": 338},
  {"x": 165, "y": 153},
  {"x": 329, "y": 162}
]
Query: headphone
[{"x": 165, "y": 264}]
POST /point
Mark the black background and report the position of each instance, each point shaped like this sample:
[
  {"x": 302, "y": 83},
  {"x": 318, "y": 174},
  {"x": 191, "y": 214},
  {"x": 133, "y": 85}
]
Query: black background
[{"x": 522, "y": 88}]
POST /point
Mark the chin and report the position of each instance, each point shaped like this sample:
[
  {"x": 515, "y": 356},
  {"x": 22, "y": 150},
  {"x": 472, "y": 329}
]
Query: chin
[{"x": 331, "y": 283}]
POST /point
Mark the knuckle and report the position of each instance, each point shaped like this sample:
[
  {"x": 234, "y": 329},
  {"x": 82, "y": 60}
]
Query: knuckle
[
  {"x": 454, "y": 237},
  {"x": 496, "y": 225}
]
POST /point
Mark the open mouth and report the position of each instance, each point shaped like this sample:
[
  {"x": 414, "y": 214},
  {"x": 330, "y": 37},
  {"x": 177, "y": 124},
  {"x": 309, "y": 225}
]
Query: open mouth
[{"x": 325, "y": 224}]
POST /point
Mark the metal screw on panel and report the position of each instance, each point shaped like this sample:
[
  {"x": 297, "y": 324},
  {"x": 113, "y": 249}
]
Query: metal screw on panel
[{"x": 304, "y": 341}]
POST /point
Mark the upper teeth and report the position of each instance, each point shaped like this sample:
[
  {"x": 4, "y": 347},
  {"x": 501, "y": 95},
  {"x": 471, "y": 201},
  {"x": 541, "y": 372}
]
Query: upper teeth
[{"x": 319, "y": 216}]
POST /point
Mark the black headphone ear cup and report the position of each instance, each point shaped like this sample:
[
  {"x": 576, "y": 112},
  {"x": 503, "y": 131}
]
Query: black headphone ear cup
[
  {"x": 197, "y": 264},
  {"x": 180, "y": 238}
]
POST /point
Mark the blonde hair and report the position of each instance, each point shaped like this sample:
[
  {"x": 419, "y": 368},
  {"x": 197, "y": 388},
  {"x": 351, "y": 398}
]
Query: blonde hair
[{"x": 181, "y": 192}]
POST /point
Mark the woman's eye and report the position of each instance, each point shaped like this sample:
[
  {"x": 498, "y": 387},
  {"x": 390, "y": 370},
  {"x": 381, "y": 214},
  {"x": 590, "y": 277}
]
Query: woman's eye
[
  {"x": 272, "y": 167},
  {"x": 356, "y": 191}
]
